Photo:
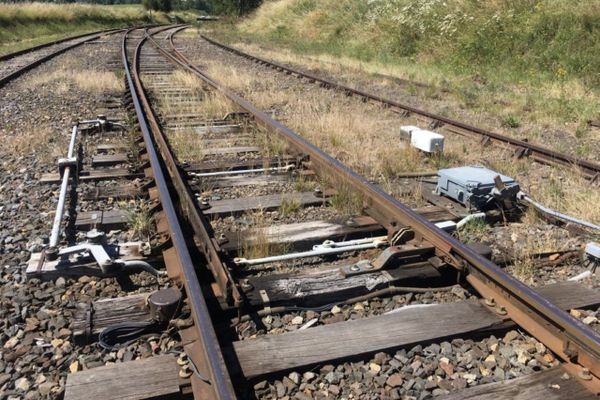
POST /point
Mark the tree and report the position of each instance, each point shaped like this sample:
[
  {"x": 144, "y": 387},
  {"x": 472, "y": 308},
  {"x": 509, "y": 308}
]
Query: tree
[{"x": 158, "y": 5}]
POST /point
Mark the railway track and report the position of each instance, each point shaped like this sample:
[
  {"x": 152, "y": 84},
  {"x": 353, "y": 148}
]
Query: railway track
[
  {"x": 254, "y": 222},
  {"x": 17, "y": 63},
  {"x": 522, "y": 148},
  {"x": 232, "y": 150}
]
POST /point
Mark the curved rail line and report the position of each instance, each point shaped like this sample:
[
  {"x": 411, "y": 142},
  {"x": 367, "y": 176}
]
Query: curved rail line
[
  {"x": 52, "y": 43},
  {"x": 590, "y": 170},
  {"x": 21, "y": 70},
  {"x": 206, "y": 354},
  {"x": 575, "y": 343}
]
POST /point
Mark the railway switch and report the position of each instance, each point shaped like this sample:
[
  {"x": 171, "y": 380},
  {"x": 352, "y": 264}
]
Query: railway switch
[{"x": 477, "y": 187}]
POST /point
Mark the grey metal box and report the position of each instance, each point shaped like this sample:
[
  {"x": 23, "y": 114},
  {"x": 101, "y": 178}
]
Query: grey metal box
[{"x": 471, "y": 185}]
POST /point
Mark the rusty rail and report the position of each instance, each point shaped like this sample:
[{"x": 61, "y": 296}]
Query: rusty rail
[
  {"x": 589, "y": 169},
  {"x": 205, "y": 350},
  {"x": 575, "y": 343}
]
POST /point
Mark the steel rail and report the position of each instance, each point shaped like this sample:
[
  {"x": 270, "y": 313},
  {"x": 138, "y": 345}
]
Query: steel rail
[
  {"x": 220, "y": 386},
  {"x": 570, "y": 338},
  {"x": 589, "y": 168},
  {"x": 20, "y": 71},
  {"x": 218, "y": 263},
  {"x": 52, "y": 43}
]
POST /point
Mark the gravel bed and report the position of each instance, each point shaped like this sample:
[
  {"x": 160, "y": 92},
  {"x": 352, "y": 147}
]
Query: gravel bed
[
  {"x": 280, "y": 323},
  {"x": 421, "y": 372}
]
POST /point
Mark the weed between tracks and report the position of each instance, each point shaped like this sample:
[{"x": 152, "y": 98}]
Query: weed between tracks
[
  {"x": 139, "y": 218},
  {"x": 256, "y": 245},
  {"x": 69, "y": 73}
]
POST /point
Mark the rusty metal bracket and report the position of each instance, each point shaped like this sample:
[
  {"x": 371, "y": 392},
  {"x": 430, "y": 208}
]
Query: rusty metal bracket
[{"x": 386, "y": 259}]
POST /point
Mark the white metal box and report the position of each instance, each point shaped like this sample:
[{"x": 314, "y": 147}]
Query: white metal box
[
  {"x": 427, "y": 141},
  {"x": 407, "y": 130}
]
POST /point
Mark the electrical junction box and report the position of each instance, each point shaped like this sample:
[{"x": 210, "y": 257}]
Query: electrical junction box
[
  {"x": 592, "y": 251},
  {"x": 475, "y": 186},
  {"x": 427, "y": 141},
  {"x": 407, "y": 130}
]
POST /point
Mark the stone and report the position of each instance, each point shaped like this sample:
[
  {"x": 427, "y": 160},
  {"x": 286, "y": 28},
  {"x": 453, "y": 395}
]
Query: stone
[
  {"x": 446, "y": 366},
  {"x": 262, "y": 385},
  {"x": 375, "y": 367},
  {"x": 334, "y": 389},
  {"x": 590, "y": 320},
  {"x": 22, "y": 384},
  {"x": 45, "y": 388},
  {"x": 394, "y": 380},
  {"x": 289, "y": 384},
  {"x": 297, "y": 320},
  {"x": 280, "y": 389},
  {"x": 308, "y": 376},
  {"x": 294, "y": 377},
  {"x": 4, "y": 378},
  {"x": 576, "y": 313},
  {"x": 540, "y": 348},
  {"x": 74, "y": 367},
  {"x": 336, "y": 310},
  {"x": 60, "y": 282},
  {"x": 11, "y": 343},
  {"x": 510, "y": 336},
  {"x": 332, "y": 377}
]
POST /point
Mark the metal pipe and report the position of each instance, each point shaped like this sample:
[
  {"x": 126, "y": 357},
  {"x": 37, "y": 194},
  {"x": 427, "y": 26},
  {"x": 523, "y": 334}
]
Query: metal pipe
[
  {"x": 241, "y": 171},
  {"x": 545, "y": 210},
  {"x": 139, "y": 264},
  {"x": 327, "y": 248},
  {"x": 63, "y": 193}
]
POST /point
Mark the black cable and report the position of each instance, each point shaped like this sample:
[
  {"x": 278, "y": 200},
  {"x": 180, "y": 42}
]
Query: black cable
[{"x": 124, "y": 333}]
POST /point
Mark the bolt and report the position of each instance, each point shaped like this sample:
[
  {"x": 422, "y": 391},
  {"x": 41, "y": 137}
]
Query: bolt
[
  {"x": 500, "y": 310},
  {"x": 585, "y": 375},
  {"x": 490, "y": 302},
  {"x": 182, "y": 359},
  {"x": 185, "y": 371}
]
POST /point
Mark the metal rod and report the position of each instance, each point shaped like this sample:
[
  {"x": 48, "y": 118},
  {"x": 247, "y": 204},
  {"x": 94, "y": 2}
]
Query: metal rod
[
  {"x": 241, "y": 171},
  {"x": 63, "y": 193},
  {"x": 545, "y": 210},
  {"x": 326, "y": 248}
]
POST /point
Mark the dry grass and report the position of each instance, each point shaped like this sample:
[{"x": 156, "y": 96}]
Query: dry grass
[
  {"x": 288, "y": 206},
  {"x": 346, "y": 201},
  {"x": 187, "y": 144},
  {"x": 341, "y": 127},
  {"x": 207, "y": 104},
  {"x": 67, "y": 75},
  {"x": 39, "y": 141},
  {"x": 258, "y": 245}
]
